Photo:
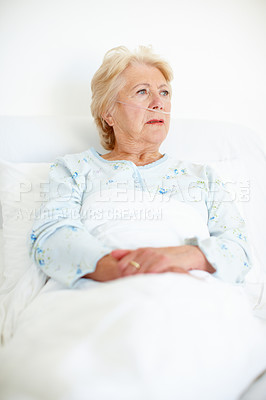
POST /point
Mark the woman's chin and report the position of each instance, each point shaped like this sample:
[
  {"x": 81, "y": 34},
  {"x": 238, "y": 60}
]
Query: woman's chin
[{"x": 156, "y": 136}]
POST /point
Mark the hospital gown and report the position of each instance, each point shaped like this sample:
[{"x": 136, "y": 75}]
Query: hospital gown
[{"x": 96, "y": 205}]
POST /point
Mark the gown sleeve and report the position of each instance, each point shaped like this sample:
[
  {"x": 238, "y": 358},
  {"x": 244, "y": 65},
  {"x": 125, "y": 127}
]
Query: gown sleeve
[
  {"x": 60, "y": 244},
  {"x": 227, "y": 248}
]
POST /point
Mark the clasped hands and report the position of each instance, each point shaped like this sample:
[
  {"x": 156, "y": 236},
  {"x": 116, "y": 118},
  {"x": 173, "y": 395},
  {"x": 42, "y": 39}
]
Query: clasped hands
[{"x": 180, "y": 259}]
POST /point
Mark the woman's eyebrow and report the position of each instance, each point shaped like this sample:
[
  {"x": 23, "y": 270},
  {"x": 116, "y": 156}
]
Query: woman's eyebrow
[
  {"x": 141, "y": 84},
  {"x": 147, "y": 84}
]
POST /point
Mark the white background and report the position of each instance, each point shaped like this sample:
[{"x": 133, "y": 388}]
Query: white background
[{"x": 50, "y": 49}]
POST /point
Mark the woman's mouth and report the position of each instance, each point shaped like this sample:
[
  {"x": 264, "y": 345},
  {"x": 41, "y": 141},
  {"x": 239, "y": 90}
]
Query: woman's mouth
[{"x": 155, "y": 121}]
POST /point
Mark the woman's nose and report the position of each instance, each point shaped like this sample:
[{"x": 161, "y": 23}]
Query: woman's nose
[{"x": 156, "y": 102}]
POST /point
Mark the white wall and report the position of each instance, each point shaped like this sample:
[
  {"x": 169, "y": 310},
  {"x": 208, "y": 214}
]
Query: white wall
[{"x": 49, "y": 50}]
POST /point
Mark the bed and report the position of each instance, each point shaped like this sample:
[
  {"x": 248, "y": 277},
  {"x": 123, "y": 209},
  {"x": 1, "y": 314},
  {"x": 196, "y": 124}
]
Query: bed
[{"x": 168, "y": 336}]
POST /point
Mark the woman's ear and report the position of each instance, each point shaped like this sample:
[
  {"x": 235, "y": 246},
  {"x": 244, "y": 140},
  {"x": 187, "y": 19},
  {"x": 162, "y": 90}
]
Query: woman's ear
[{"x": 108, "y": 118}]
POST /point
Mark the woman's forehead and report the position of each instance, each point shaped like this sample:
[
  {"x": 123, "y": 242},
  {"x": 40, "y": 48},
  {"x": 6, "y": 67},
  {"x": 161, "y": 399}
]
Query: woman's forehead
[{"x": 138, "y": 74}]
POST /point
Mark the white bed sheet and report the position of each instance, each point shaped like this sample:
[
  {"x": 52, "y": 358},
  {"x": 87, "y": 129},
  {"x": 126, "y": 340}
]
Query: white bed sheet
[{"x": 148, "y": 337}]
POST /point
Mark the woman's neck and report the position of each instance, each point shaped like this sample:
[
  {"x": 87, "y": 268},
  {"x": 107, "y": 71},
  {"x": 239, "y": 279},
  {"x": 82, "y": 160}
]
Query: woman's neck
[{"x": 137, "y": 157}]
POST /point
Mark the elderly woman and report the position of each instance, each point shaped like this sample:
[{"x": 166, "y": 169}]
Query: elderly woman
[{"x": 134, "y": 210}]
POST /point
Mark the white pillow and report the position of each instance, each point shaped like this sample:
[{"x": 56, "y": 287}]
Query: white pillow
[
  {"x": 22, "y": 191},
  {"x": 22, "y": 187}
]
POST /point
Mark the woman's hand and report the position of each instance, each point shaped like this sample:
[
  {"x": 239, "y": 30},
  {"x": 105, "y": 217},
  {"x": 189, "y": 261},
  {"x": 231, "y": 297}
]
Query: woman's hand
[
  {"x": 151, "y": 260},
  {"x": 162, "y": 259},
  {"x": 106, "y": 270}
]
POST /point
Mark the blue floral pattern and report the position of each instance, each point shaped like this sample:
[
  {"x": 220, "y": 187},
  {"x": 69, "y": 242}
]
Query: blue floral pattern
[{"x": 65, "y": 250}]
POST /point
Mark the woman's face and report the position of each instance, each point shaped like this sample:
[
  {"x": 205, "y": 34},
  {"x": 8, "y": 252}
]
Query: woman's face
[{"x": 145, "y": 87}]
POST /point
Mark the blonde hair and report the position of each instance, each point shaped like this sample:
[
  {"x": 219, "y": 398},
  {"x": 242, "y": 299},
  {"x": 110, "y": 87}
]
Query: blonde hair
[{"x": 108, "y": 80}]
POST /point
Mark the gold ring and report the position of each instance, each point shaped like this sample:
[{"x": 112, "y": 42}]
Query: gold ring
[{"x": 136, "y": 265}]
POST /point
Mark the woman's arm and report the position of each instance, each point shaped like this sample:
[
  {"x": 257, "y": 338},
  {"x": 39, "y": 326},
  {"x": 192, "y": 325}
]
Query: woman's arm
[
  {"x": 227, "y": 249},
  {"x": 225, "y": 253},
  {"x": 60, "y": 244}
]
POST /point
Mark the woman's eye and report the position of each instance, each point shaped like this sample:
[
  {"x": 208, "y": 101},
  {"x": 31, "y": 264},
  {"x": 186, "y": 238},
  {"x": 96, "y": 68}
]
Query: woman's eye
[
  {"x": 165, "y": 92},
  {"x": 142, "y": 91}
]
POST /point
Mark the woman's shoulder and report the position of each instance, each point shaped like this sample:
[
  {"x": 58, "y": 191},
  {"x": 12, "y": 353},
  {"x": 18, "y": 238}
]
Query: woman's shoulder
[
  {"x": 74, "y": 166},
  {"x": 77, "y": 161},
  {"x": 75, "y": 158},
  {"x": 201, "y": 174},
  {"x": 201, "y": 170}
]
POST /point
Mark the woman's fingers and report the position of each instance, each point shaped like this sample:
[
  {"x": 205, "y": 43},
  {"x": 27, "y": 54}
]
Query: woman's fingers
[
  {"x": 156, "y": 267},
  {"x": 137, "y": 256},
  {"x": 132, "y": 266},
  {"x": 120, "y": 253},
  {"x": 143, "y": 261},
  {"x": 152, "y": 260},
  {"x": 176, "y": 269}
]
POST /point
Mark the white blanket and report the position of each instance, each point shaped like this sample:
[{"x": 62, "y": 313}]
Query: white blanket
[
  {"x": 142, "y": 219},
  {"x": 147, "y": 337}
]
